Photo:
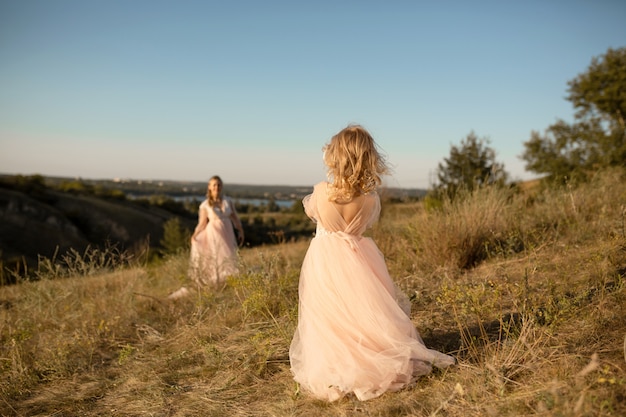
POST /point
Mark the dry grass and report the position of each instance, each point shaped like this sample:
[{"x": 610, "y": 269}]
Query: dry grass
[{"x": 527, "y": 290}]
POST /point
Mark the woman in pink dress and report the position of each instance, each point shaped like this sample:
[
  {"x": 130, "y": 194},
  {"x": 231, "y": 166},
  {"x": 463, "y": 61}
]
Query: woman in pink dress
[
  {"x": 353, "y": 334},
  {"x": 213, "y": 244}
]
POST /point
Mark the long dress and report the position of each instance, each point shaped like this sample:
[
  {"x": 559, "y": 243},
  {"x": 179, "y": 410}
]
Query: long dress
[
  {"x": 353, "y": 335},
  {"x": 213, "y": 255}
]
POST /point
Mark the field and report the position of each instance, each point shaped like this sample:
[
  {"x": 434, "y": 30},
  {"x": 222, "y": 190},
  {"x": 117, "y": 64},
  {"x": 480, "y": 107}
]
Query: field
[{"x": 525, "y": 287}]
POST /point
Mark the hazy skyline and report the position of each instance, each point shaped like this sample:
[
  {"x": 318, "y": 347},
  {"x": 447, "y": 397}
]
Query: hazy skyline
[{"x": 253, "y": 90}]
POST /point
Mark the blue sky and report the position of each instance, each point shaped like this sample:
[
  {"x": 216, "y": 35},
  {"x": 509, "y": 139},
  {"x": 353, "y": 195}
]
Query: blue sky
[{"x": 251, "y": 90}]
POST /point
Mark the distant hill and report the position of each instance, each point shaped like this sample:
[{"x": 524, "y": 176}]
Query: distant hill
[{"x": 37, "y": 220}]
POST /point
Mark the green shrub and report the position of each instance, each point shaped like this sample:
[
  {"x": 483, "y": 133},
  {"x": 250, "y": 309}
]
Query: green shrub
[{"x": 175, "y": 236}]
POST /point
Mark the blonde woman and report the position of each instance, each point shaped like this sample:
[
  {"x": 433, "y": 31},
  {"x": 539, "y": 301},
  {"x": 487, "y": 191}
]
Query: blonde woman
[
  {"x": 353, "y": 335},
  {"x": 213, "y": 243}
]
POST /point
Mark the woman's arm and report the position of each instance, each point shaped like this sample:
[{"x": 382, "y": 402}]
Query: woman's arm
[{"x": 203, "y": 220}]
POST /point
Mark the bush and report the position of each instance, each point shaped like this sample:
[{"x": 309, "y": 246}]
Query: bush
[
  {"x": 175, "y": 236},
  {"x": 464, "y": 229}
]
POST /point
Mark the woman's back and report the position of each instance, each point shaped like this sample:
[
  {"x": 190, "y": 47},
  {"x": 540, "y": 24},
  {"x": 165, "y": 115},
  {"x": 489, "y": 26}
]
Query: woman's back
[{"x": 353, "y": 217}]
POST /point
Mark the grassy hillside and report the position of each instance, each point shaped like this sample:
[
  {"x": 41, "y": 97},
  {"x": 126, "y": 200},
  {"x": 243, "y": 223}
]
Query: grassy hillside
[{"x": 526, "y": 289}]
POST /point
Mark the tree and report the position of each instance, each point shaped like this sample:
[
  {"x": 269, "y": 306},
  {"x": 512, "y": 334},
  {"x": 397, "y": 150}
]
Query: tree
[
  {"x": 470, "y": 165},
  {"x": 601, "y": 91},
  {"x": 597, "y": 138},
  {"x": 175, "y": 237}
]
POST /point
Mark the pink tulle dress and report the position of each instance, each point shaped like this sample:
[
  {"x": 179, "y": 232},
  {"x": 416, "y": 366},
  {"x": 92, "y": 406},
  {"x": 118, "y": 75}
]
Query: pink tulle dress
[
  {"x": 213, "y": 254},
  {"x": 354, "y": 334}
]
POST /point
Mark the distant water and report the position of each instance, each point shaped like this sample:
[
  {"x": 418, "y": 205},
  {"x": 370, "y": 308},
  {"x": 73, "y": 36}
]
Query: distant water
[
  {"x": 250, "y": 201},
  {"x": 264, "y": 201}
]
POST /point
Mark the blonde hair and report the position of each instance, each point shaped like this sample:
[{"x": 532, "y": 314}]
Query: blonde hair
[
  {"x": 354, "y": 163},
  {"x": 209, "y": 197}
]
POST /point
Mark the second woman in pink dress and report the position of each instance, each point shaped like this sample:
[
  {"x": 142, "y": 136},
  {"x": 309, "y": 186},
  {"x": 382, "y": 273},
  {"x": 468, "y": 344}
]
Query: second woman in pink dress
[{"x": 213, "y": 244}]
